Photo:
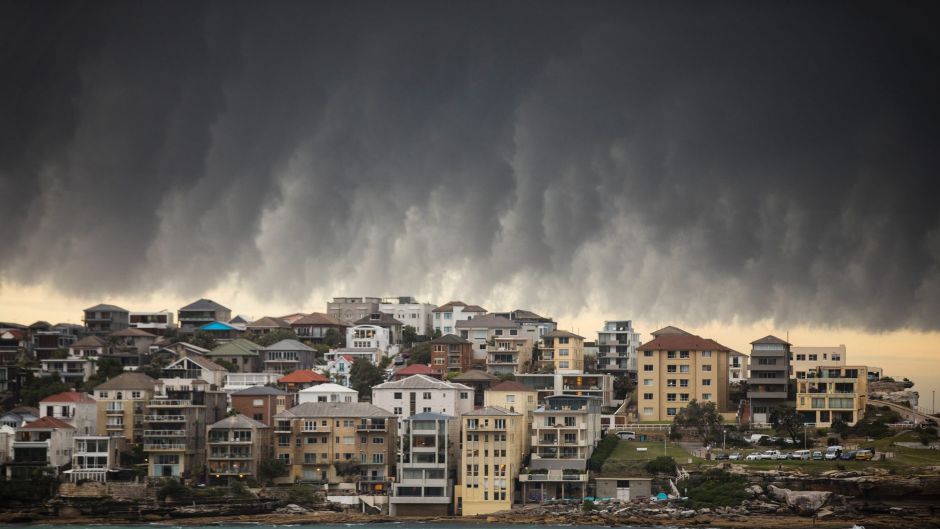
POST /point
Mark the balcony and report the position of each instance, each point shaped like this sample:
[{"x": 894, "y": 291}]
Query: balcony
[
  {"x": 164, "y": 433},
  {"x": 554, "y": 475},
  {"x": 169, "y": 403},
  {"x": 165, "y": 418},
  {"x": 115, "y": 410},
  {"x": 372, "y": 427},
  {"x": 157, "y": 447},
  {"x": 767, "y": 394}
]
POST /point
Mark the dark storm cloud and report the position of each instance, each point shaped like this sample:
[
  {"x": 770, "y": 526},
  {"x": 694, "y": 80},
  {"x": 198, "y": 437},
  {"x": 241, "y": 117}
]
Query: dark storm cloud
[{"x": 682, "y": 161}]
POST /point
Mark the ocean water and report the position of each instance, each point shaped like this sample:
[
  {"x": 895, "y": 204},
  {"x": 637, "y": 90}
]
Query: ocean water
[{"x": 388, "y": 525}]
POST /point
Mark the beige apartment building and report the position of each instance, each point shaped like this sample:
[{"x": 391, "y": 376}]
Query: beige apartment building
[
  {"x": 808, "y": 358},
  {"x": 517, "y": 398},
  {"x": 490, "y": 460},
  {"x": 677, "y": 367},
  {"x": 237, "y": 446},
  {"x": 562, "y": 350},
  {"x": 122, "y": 403},
  {"x": 339, "y": 445},
  {"x": 830, "y": 393}
]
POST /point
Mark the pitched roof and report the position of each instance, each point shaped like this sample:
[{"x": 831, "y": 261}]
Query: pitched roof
[
  {"x": 335, "y": 409},
  {"x": 511, "y": 385},
  {"x": 415, "y": 369},
  {"x": 318, "y": 318},
  {"x": 204, "y": 304},
  {"x": 383, "y": 319},
  {"x": 288, "y": 345},
  {"x": 450, "y": 339},
  {"x": 69, "y": 396},
  {"x": 103, "y": 307},
  {"x": 237, "y": 347},
  {"x": 473, "y": 308},
  {"x": 557, "y": 333},
  {"x": 770, "y": 339},
  {"x": 674, "y": 342},
  {"x": 185, "y": 345},
  {"x": 328, "y": 387},
  {"x": 449, "y": 306},
  {"x": 133, "y": 332},
  {"x": 40, "y": 324},
  {"x": 202, "y": 362},
  {"x": 302, "y": 376},
  {"x": 291, "y": 318},
  {"x": 269, "y": 322},
  {"x": 260, "y": 390},
  {"x": 472, "y": 375},
  {"x": 129, "y": 380},
  {"x": 420, "y": 382},
  {"x": 90, "y": 341},
  {"x": 218, "y": 326},
  {"x": 669, "y": 329},
  {"x": 488, "y": 321},
  {"x": 238, "y": 421},
  {"x": 47, "y": 422},
  {"x": 238, "y": 320},
  {"x": 522, "y": 314},
  {"x": 489, "y": 411}
]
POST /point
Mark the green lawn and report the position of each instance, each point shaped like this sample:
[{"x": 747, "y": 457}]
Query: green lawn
[{"x": 627, "y": 460}]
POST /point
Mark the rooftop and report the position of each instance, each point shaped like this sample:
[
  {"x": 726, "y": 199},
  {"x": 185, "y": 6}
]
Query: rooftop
[
  {"x": 335, "y": 409},
  {"x": 328, "y": 387},
  {"x": 289, "y": 345},
  {"x": 450, "y": 339},
  {"x": 129, "y": 380},
  {"x": 104, "y": 307},
  {"x": 318, "y": 318},
  {"x": 489, "y": 411},
  {"x": 237, "y": 347},
  {"x": 421, "y": 382},
  {"x": 561, "y": 334},
  {"x": 203, "y": 305},
  {"x": 132, "y": 332},
  {"x": 259, "y": 391},
  {"x": 237, "y": 421},
  {"x": 488, "y": 321},
  {"x": 69, "y": 396},
  {"x": 511, "y": 385},
  {"x": 47, "y": 423},
  {"x": 302, "y": 376}
]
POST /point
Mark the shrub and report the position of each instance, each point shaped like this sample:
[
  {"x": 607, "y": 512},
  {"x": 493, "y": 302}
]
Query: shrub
[
  {"x": 240, "y": 490},
  {"x": 588, "y": 505},
  {"x": 602, "y": 452},
  {"x": 716, "y": 488},
  {"x": 172, "y": 488},
  {"x": 301, "y": 495},
  {"x": 822, "y": 432},
  {"x": 661, "y": 465}
]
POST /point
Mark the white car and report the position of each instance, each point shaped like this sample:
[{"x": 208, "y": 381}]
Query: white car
[
  {"x": 754, "y": 457},
  {"x": 773, "y": 454},
  {"x": 735, "y": 456}
]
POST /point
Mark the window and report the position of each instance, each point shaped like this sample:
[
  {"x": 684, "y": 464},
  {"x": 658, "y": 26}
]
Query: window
[
  {"x": 684, "y": 383},
  {"x": 426, "y": 395},
  {"x": 684, "y": 355},
  {"x": 671, "y": 397},
  {"x": 464, "y": 395},
  {"x": 684, "y": 397},
  {"x": 563, "y": 364},
  {"x": 257, "y": 402},
  {"x": 706, "y": 367},
  {"x": 836, "y": 358},
  {"x": 706, "y": 396},
  {"x": 819, "y": 403},
  {"x": 648, "y": 354},
  {"x": 801, "y": 358},
  {"x": 397, "y": 395},
  {"x": 378, "y": 459},
  {"x": 671, "y": 369},
  {"x": 397, "y": 410},
  {"x": 513, "y": 332},
  {"x": 562, "y": 352},
  {"x": 671, "y": 412},
  {"x": 812, "y": 358},
  {"x": 498, "y": 332},
  {"x": 426, "y": 410},
  {"x": 647, "y": 367},
  {"x": 378, "y": 440},
  {"x": 684, "y": 369},
  {"x": 103, "y": 394},
  {"x": 510, "y": 398},
  {"x": 647, "y": 381},
  {"x": 706, "y": 382},
  {"x": 647, "y": 411},
  {"x": 706, "y": 354},
  {"x": 671, "y": 355},
  {"x": 136, "y": 394}
]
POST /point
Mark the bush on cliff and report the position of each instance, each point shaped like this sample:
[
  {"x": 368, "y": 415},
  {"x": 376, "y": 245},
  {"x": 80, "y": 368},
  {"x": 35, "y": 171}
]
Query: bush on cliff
[
  {"x": 716, "y": 488},
  {"x": 173, "y": 489},
  {"x": 602, "y": 452},
  {"x": 661, "y": 465}
]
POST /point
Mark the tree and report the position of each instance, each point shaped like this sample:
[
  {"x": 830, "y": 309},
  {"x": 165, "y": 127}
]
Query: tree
[
  {"x": 421, "y": 354},
  {"x": 661, "y": 465},
  {"x": 270, "y": 469},
  {"x": 363, "y": 375},
  {"x": 41, "y": 387},
  {"x": 271, "y": 338},
  {"x": 333, "y": 338},
  {"x": 230, "y": 367},
  {"x": 703, "y": 418},
  {"x": 623, "y": 386},
  {"x": 787, "y": 421},
  {"x": 436, "y": 333},
  {"x": 109, "y": 368},
  {"x": 505, "y": 376},
  {"x": 408, "y": 335},
  {"x": 204, "y": 340}
]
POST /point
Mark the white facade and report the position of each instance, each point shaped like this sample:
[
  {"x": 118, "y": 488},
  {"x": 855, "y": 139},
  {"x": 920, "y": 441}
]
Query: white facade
[
  {"x": 71, "y": 370},
  {"x": 56, "y": 440},
  {"x": 737, "y": 368},
  {"x": 616, "y": 347},
  {"x": 445, "y": 318},
  {"x": 807, "y": 358},
  {"x": 239, "y": 381},
  {"x": 422, "y": 394},
  {"x": 368, "y": 337},
  {"x": 339, "y": 369},
  {"x": 81, "y": 415},
  {"x": 160, "y": 320},
  {"x": 93, "y": 456},
  {"x": 418, "y": 315},
  {"x": 327, "y": 393}
]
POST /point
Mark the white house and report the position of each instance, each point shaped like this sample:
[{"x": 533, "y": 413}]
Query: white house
[
  {"x": 327, "y": 393},
  {"x": 368, "y": 337},
  {"x": 71, "y": 370},
  {"x": 339, "y": 368},
  {"x": 45, "y": 442},
  {"x": 182, "y": 372},
  {"x": 423, "y": 394},
  {"x": 447, "y": 315},
  {"x": 73, "y": 407},
  {"x": 410, "y": 312}
]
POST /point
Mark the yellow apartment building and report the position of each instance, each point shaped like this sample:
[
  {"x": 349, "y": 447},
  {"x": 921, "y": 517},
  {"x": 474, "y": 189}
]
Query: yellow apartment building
[
  {"x": 122, "y": 405},
  {"x": 562, "y": 350},
  {"x": 515, "y": 397},
  {"x": 490, "y": 460},
  {"x": 830, "y": 393}
]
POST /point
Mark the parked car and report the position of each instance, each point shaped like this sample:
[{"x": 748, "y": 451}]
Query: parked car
[
  {"x": 817, "y": 455},
  {"x": 802, "y": 455},
  {"x": 755, "y": 456},
  {"x": 627, "y": 436},
  {"x": 848, "y": 455},
  {"x": 833, "y": 452},
  {"x": 721, "y": 457},
  {"x": 772, "y": 454},
  {"x": 865, "y": 454},
  {"x": 735, "y": 456}
]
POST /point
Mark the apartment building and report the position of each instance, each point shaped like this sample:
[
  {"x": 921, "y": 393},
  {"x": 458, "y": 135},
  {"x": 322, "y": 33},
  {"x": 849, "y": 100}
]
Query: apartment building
[
  {"x": 409, "y": 311},
  {"x": 379, "y": 319},
  {"x": 239, "y": 381},
  {"x": 241, "y": 353},
  {"x": 737, "y": 367},
  {"x": 768, "y": 383},
  {"x": 565, "y": 431},
  {"x": 327, "y": 392},
  {"x": 422, "y": 394},
  {"x": 200, "y": 313},
  {"x": 121, "y": 405},
  {"x": 43, "y": 443},
  {"x": 75, "y": 408},
  {"x": 104, "y": 319},
  {"x": 262, "y": 403},
  {"x": 447, "y": 315},
  {"x": 48, "y": 342},
  {"x": 808, "y": 358},
  {"x": 517, "y": 398},
  {"x": 490, "y": 460},
  {"x": 562, "y": 351},
  {"x": 348, "y": 310},
  {"x": 482, "y": 331},
  {"x": 175, "y": 433},
  {"x": 367, "y": 336},
  {"x": 833, "y": 393},
  {"x": 676, "y": 367},
  {"x": 287, "y": 356},
  {"x": 451, "y": 353},
  {"x": 479, "y": 381},
  {"x": 156, "y": 322},
  {"x": 72, "y": 371},
  {"x": 427, "y": 462},
  {"x": 316, "y": 326},
  {"x": 237, "y": 445},
  {"x": 533, "y": 326},
  {"x": 94, "y": 457},
  {"x": 600, "y": 385},
  {"x": 616, "y": 348},
  {"x": 337, "y": 445}
]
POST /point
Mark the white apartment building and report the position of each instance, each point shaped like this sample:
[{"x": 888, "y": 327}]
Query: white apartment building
[
  {"x": 77, "y": 409},
  {"x": 156, "y": 322},
  {"x": 328, "y": 392},
  {"x": 239, "y": 381},
  {"x": 808, "y": 358},
  {"x": 447, "y": 315},
  {"x": 93, "y": 456},
  {"x": 737, "y": 367},
  {"x": 410, "y": 312},
  {"x": 423, "y": 394},
  {"x": 616, "y": 348},
  {"x": 427, "y": 456},
  {"x": 368, "y": 337}
]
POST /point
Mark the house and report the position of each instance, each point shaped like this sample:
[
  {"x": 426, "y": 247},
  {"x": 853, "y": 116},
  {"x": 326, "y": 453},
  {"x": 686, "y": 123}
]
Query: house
[
  {"x": 533, "y": 326},
  {"x": 452, "y": 353},
  {"x": 239, "y": 381},
  {"x": 373, "y": 356},
  {"x": 132, "y": 347},
  {"x": 348, "y": 310},
  {"x": 194, "y": 367},
  {"x": 242, "y": 353},
  {"x": 301, "y": 379},
  {"x": 90, "y": 347},
  {"x": 40, "y": 444},
  {"x": 316, "y": 327},
  {"x": 287, "y": 356},
  {"x": 417, "y": 369},
  {"x": 13, "y": 346},
  {"x": 422, "y": 394},
  {"x": 616, "y": 348},
  {"x": 561, "y": 351},
  {"x": 237, "y": 447},
  {"x": 833, "y": 393},
  {"x": 339, "y": 369},
  {"x": 498, "y": 343},
  {"x": 121, "y": 402},
  {"x": 676, "y": 367},
  {"x": 262, "y": 403},
  {"x": 221, "y": 331},
  {"x": 95, "y": 457},
  {"x": 349, "y": 446},
  {"x": 78, "y": 409},
  {"x": 627, "y": 488},
  {"x": 240, "y": 322},
  {"x": 202, "y": 312},
  {"x": 267, "y": 325},
  {"x": 428, "y": 457},
  {"x": 365, "y": 336},
  {"x": 383, "y": 320},
  {"x": 170, "y": 352},
  {"x": 768, "y": 383},
  {"x": 409, "y": 311},
  {"x": 104, "y": 319},
  {"x": 157, "y": 322},
  {"x": 490, "y": 460},
  {"x": 47, "y": 340},
  {"x": 448, "y": 314},
  {"x": 72, "y": 371},
  {"x": 477, "y": 380},
  {"x": 327, "y": 392},
  {"x": 176, "y": 420},
  {"x": 19, "y": 416}
]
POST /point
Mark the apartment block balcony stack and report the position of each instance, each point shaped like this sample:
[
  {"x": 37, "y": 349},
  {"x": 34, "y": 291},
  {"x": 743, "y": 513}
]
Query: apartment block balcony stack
[{"x": 769, "y": 378}]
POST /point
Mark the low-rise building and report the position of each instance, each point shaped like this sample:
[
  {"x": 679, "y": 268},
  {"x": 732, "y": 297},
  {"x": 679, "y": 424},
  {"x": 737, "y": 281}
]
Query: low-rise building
[
  {"x": 421, "y": 394},
  {"x": 375, "y": 319},
  {"x": 95, "y": 457},
  {"x": 410, "y": 312},
  {"x": 479, "y": 381},
  {"x": 241, "y": 353},
  {"x": 348, "y": 310},
  {"x": 194, "y": 367},
  {"x": 104, "y": 319},
  {"x": 78, "y": 409},
  {"x": 497, "y": 342},
  {"x": 337, "y": 445},
  {"x": 202, "y": 312},
  {"x": 267, "y": 325},
  {"x": 427, "y": 460},
  {"x": 90, "y": 347},
  {"x": 156, "y": 322},
  {"x": 490, "y": 460},
  {"x": 833, "y": 393},
  {"x": 452, "y": 353},
  {"x": 808, "y": 358},
  {"x": 627, "y": 488},
  {"x": 262, "y": 403},
  {"x": 339, "y": 368},
  {"x": 237, "y": 446},
  {"x": 301, "y": 379},
  {"x": 317, "y": 327},
  {"x": 121, "y": 405},
  {"x": 327, "y": 392},
  {"x": 367, "y": 336},
  {"x": 40, "y": 444},
  {"x": 238, "y": 381},
  {"x": 561, "y": 351},
  {"x": 131, "y": 347},
  {"x": 72, "y": 371},
  {"x": 287, "y": 356},
  {"x": 599, "y": 385},
  {"x": 447, "y": 315}
]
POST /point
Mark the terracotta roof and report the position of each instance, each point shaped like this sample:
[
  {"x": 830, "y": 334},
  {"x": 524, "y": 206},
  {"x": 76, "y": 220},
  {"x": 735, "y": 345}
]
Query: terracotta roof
[
  {"x": 318, "y": 318},
  {"x": 268, "y": 322},
  {"x": 47, "y": 422},
  {"x": 687, "y": 342},
  {"x": 129, "y": 380},
  {"x": 134, "y": 332},
  {"x": 449, "y": 306},
  {"x": 770, "y": 339},
  {"x": 450, "y": 339},
  {"x": 416, "y": 369},
  {"x": 69, "y": 396},
  {"x": 302, "y": 376},
  {"x": 557, "y": 333},
  {"x": 511, "y": 385}
]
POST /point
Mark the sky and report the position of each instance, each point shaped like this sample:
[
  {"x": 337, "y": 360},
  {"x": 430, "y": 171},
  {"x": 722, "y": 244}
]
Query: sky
[{"x": 735, "y": 168}]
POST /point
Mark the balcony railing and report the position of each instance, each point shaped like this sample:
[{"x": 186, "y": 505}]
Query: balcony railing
[
  {"x": 165, "y": 418},
  {"x": 164, "y": 446},
  {"x": 170, "y": 403},
  {"x": 164, "y": 433},
  {"x": 372, "y": 427}
]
